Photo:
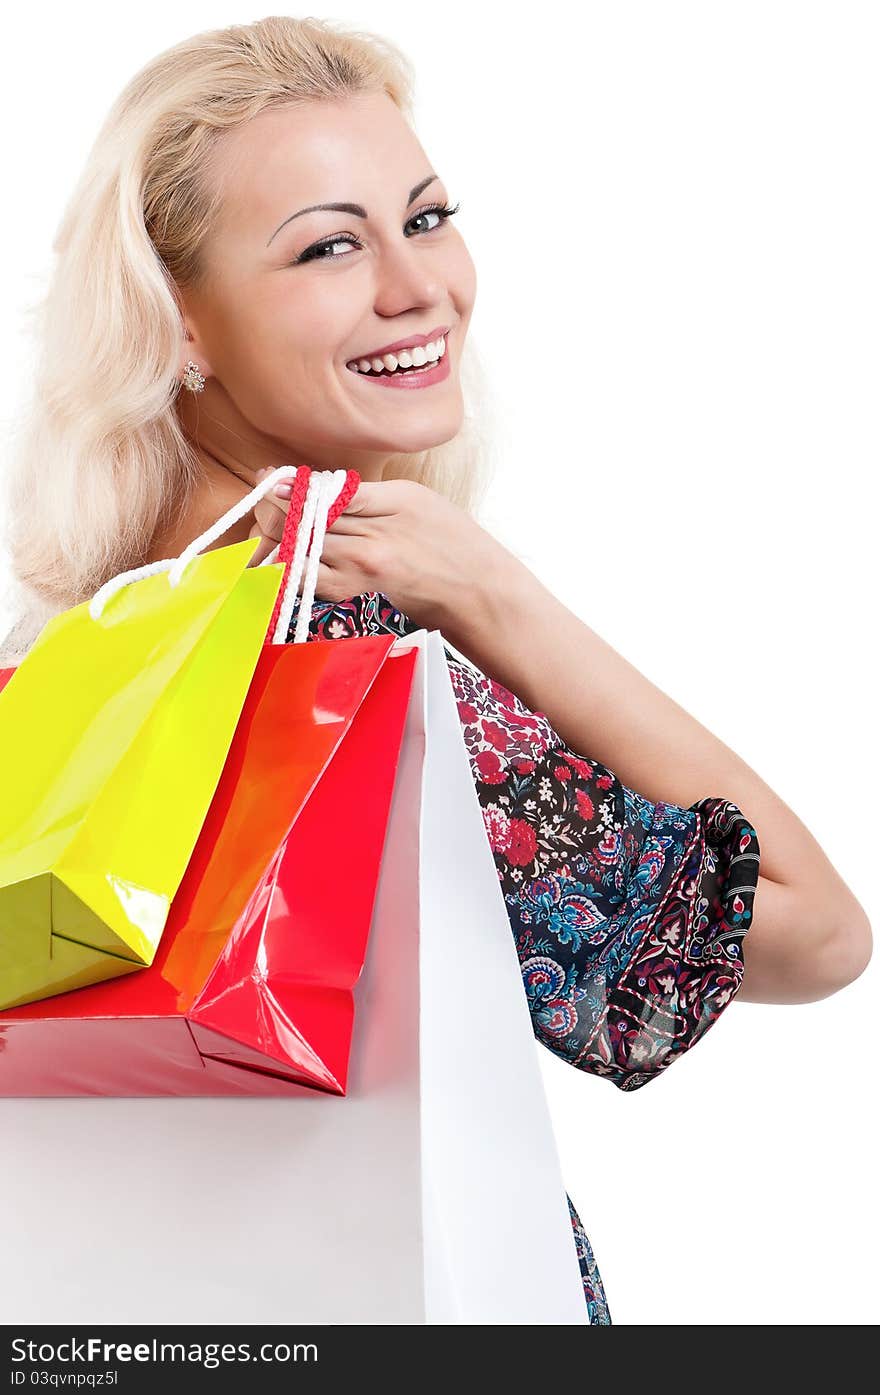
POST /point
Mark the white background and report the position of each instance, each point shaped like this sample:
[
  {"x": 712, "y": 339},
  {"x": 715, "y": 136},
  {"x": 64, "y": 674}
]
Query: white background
[{"x": 673, "y": 209}]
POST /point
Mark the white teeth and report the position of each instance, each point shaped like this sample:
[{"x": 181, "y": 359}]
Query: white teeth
[{"x": 405, "y": 358}]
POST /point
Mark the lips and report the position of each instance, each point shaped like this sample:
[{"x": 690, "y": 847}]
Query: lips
[
  {"x": 414, "y": 341},
  {"x": 412, "y": 380}
]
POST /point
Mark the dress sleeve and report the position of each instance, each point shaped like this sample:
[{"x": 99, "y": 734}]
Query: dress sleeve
[{"x": 629, "y": 914}]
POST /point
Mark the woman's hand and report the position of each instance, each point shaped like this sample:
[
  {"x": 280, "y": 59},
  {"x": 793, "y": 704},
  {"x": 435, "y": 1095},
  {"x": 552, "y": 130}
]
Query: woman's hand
[{"x": 407, "y": 541}]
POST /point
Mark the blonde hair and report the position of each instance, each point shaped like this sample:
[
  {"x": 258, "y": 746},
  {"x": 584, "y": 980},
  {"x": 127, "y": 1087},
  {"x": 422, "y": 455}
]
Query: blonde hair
[{"x": 101, "y": 461}]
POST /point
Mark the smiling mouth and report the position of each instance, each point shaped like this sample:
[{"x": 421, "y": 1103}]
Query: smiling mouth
[{"x": 404, "y": 362}]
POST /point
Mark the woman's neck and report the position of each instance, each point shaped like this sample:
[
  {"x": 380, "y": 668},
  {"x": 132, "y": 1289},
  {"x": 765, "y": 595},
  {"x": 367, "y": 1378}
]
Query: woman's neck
[
  {"x": 212, "y": 422},
  {"x": 218, "y": 489},
  {"x": 230, "y": 453}
]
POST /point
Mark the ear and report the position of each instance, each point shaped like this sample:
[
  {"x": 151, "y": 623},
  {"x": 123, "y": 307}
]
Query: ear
[
  {"x": 192, "y": 347},
  {"x": 191, "y": 351}
]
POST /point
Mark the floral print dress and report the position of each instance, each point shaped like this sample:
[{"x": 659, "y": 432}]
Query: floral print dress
[{"x": 628, "y": 913}]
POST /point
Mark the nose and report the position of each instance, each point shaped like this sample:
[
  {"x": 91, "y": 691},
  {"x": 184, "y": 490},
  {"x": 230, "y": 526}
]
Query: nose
[{"x": 408, "y": 276}]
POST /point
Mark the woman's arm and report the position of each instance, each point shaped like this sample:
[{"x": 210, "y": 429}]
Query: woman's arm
[{"x": 809, "y": 936}]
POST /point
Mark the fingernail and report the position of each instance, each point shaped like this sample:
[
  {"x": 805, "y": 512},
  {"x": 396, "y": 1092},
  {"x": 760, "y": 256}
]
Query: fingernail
[{"x": 284, "y": 491}]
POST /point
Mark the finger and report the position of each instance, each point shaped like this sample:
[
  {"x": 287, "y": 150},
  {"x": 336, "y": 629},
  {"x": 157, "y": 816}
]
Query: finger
[
  {"x": 341, "y": 552},
  {"x": 279, "y": 495},
  {"x": 373, "y": 498},
  {"x": 327, "y": 583},
  {"x": 338, "y": 583},
  {"x": 270, "y": 518},
  {"x": 352, "y": 525},
  {"x": 265, "y": 546}
]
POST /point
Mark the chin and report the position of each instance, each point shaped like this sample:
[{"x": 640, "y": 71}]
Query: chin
[{"x": 425, "y": 435}]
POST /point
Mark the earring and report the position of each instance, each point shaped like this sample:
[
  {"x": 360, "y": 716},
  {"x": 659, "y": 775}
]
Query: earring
[{"x": 193, "y": 378}]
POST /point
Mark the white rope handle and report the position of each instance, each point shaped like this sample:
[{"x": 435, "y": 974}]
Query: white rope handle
[{"x": 324, "y": 488}]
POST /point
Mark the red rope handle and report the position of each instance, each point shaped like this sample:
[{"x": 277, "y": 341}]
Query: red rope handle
[
  {"x": 291, "y": 527},
  {"x": 349, "y": 490}
]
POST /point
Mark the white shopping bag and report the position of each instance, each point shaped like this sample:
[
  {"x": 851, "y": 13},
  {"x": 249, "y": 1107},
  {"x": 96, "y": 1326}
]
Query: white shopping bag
[{"x": 430, "y": 1193}]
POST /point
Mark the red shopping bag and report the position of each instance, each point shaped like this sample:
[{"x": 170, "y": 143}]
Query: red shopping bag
[{"x": 251, "y": 989}]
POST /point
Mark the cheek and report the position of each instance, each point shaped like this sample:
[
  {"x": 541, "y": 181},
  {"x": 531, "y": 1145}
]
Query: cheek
[
  {"x": 306, "y": 321},
  {"x": 269, "y": 306},
  {"x": 243, "y": 333},
  {"x": 272, "y": 344}
]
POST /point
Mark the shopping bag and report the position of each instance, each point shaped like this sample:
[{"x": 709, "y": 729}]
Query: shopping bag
[
  {"x": 429, "y": 1193},
  {"x": 113, "y": 733},
  {"x": 246, "y": 968},
  {"x": 267, "y": 933}
]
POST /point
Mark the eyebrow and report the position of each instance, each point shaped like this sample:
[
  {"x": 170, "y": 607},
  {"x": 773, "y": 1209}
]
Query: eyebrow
[{"x": 357, "y": 209}]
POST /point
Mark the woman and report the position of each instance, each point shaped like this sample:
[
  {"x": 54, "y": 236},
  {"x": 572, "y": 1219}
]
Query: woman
[{"x": 214, "y": 315}]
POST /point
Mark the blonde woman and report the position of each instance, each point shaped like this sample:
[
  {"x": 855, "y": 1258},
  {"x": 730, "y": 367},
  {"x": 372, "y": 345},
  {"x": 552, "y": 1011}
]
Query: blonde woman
[{"x": 259, "y": 267}]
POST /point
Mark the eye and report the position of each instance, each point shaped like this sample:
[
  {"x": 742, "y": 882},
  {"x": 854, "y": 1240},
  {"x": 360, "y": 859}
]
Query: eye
[
  {"x": 440, "y": 211},
  {"x": 317, "y": 252},
  {"x": 318, "y": 249}
]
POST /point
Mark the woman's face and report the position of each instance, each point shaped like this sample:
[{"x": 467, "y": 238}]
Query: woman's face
[{"x": 290, "y": 298}]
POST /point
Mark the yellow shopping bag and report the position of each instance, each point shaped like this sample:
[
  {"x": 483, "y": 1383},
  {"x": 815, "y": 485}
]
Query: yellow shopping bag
[{"x": 113, "y": 734}]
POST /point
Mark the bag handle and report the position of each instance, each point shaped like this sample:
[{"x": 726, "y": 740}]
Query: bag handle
[
  {"x": 306, "y": 511},
  {"x": 326, "y": 491}
]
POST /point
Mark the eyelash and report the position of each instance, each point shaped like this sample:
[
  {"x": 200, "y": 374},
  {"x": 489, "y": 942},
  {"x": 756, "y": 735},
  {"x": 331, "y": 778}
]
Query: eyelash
[{"x": 309, "y": 255}]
